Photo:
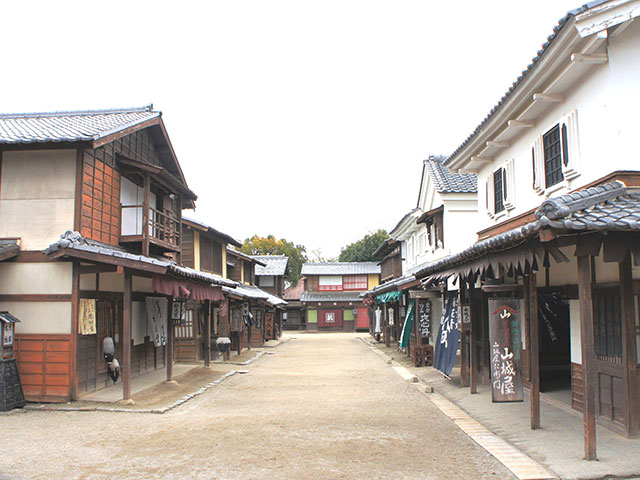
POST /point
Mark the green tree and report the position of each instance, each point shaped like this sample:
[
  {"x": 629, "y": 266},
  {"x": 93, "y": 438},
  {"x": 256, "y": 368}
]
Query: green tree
[
  {"x": 362, "y": 250},
  {"x": 269, "y": 245}
]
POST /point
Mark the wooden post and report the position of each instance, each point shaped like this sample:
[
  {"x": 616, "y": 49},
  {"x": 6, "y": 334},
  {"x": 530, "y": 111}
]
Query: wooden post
[
  {"x": 207, "y": 333},
  {"x": 473, "y": 363},
  {"x": 585, "y": 272},
  {"x": 75, "y": 310},
  {"x": 170, "y": 341},
  {"x": 464, "y": 353},
  {"x": 145, "y": 214},
  {"x": 126, "y": 337},
  {"x": 629, "y": 360},
  {"x": 531, "y": 292}
]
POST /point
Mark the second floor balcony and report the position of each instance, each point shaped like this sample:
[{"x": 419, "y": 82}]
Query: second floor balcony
[{"x": 160, "y": 230}]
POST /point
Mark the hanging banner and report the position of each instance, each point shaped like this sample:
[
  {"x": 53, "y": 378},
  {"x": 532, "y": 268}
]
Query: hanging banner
[
  {"x": 505, "y": 341},
  {"x": 157, "y": 316},
  {"x": 408, "y": 323},
  {"x": 448, "y": 336},
  {"x": 424, "y": 317}
]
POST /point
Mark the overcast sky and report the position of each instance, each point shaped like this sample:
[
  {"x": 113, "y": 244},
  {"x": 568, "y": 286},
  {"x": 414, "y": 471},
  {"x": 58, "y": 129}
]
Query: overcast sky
[{"x": 307, "y": 120}]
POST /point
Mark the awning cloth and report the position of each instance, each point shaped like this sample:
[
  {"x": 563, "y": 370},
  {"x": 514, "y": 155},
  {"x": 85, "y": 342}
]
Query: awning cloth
[
  {"x": 179, "y": 288},
  {"x": 388, "y": 297},
  {"x": 408, "y": 324}
]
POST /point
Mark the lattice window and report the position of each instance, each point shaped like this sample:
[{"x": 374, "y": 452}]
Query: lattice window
[
  {"x": 607, "y": 324},
  {"x": 355, "y": 282},
  {"x": 552, "y": 157},
  {"x": 330, "y": 283},
  {"x": 186, "y": 330}
]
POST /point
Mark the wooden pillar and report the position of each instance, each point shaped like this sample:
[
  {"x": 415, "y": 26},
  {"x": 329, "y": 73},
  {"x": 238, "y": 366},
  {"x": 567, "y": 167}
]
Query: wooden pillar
[
  {"x": 629, "y": 360},
  {"x": 464, "y": 337},
  {"x": 126, "y": 337},
  {"x": 170, "y": 342},
  {"x": 473, "y": 360},
  {"x": 585, "y": 272},
  {"x": 207, "y": 333},
  {"x": 531, "y": 292},
  {"x": 146, "y": 214},
  {"x": 75, "y": 310}
]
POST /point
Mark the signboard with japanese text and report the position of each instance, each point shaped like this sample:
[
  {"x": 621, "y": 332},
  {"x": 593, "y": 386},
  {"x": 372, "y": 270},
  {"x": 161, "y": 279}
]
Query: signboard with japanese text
[
  {"x": 424, "y": 317},
  {"x": 268, "y": 326},
  {"x": 505, "y": 350},
  {"x": 7, "y": 339}
]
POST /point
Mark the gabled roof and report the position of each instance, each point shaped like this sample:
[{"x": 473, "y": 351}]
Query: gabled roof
[
  {"x": 206, "y": 228},
  {"x": 244, "y": 256},
  {"x": 274, "y": 264},
  {"x": 446, "y": 181},
  {"x": 82, "y": 126},
  {"x": 340, "y": 268}
]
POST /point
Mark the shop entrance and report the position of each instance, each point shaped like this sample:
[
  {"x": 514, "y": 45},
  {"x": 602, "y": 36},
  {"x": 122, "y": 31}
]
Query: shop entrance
[{"x": 555, "y": 346}]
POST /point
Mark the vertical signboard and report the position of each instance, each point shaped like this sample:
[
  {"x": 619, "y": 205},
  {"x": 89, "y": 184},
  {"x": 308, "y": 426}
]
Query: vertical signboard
[
  {"x": 504, "y": 338},
  {"x": 268, "y": 325},
  {"x": 424, "y": 317}
]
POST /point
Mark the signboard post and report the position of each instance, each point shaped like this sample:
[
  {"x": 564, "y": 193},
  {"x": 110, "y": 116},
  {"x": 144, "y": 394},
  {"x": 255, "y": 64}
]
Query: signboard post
[{"x": 506, "y": 354}]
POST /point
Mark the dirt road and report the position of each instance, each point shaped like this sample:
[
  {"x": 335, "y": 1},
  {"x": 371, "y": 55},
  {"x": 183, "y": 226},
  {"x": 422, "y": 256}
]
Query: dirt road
[{"x": 322, "y": 407}]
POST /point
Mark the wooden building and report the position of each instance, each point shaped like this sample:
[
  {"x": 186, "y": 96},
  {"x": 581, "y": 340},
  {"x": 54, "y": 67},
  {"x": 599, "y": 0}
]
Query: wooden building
[
  {"x": 272, "y": 276},
  {"x": 95, "y": 199},
  {"x": 296, "y": 314},
  {"x": 556, "y": 252},
  {"x": 333, "y": 294}
]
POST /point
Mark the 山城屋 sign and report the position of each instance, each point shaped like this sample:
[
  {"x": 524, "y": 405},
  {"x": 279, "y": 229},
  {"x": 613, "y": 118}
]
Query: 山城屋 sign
[{"x": 505, "y": 350}]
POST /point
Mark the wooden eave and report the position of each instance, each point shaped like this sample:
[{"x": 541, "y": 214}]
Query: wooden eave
[
  {"x": 426, "y": 215},
  {"x": 107, "y": 259},
  {"x": 99, "y": 142}
]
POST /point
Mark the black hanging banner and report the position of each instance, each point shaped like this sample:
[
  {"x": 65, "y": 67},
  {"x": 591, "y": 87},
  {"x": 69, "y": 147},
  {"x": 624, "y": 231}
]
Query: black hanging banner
[{"x": 506, "y": 351}]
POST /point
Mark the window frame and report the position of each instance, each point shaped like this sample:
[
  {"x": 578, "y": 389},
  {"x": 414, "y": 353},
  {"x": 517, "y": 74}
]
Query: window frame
[
  {"x": 349, "y": 283},
  {"x": 329, "y": 287}
]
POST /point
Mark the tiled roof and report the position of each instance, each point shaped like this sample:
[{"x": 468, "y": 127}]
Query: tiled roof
[
  {"x": 274, "y": 264},
  {"x": 294, "y": 293},
  {"x": 340, "y": 268},
  {"x": 394, "y": 284},
  {"x": 330, "y": 297},
  {"x": 446, "y": 181},
  {"x": 69, "y": 126},
  {"x": 607, "y": 207},
  {"x": 9, "y": 248},
  {"x": 251, "y": 292},
  {"x": 227, "y": 238},
  {"x": 534, "y": 61},
  {"x": 74, "y": 241},
  {"x": 245, "y": 256}
]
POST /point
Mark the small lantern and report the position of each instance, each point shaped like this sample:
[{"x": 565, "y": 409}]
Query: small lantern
[{"x": 7, "y": 324}]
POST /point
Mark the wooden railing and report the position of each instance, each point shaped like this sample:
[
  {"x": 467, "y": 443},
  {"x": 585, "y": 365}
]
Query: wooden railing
[{"x": 161, "y": 226}]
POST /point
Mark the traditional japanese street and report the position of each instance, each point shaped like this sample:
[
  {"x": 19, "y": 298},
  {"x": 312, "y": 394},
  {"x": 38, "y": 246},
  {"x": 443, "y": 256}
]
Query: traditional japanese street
[{"x": 322, "y": 406}]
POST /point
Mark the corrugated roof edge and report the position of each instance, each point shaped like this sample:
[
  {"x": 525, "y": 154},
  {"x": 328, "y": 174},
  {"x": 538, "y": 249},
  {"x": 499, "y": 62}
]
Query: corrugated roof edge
[
  {"x": 534, "y": 61},
  {"x": 147, "y": 108}
]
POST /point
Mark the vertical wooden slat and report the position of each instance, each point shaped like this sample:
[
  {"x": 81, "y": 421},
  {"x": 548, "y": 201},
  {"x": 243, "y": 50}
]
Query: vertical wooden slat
[
  {"x": 585, "y": 277},
  {"x": 75, "y": 300},
  {"x": 145, "y": 214},
  {"x": 629, "y": 361},
  {"x": 534, "y": 348},
  {"x": 207, "y": 333},
  {"x": 464, "y": 337},
  {"x": 126, "y": 338}
]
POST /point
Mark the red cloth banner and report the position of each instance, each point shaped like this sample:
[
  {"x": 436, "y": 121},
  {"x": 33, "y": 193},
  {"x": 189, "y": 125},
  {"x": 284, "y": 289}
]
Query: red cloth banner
[{"x": 178, "y": 288}]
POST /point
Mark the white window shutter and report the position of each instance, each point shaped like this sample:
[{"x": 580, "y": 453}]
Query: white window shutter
[
  {"x": 571, "y": 169},
  {"x": 537, "y": 152},
  {"x": 509, "y": 185},
  {"x": 489, "y": 192}
]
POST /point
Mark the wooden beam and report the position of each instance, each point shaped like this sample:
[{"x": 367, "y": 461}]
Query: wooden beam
[
  {"x": 585, "y": 272},
  {"x": 145, "y": 213},
  {"x": 531, "y": 292},
  {"x": 123, "y": 133},
  {"x": 594, "y": 59},
  {"x": 108, "y": 260},
  {"x": 78, "y": 193},
  {"x": 473, "y": 361},
  {"x": 542, "y": 97},
  {"x": 126, "y": 338},
  {"x": 35, "y": 297}
]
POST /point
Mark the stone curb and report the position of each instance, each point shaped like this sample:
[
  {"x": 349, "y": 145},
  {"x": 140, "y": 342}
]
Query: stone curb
[{"x": 186, "y": 398}]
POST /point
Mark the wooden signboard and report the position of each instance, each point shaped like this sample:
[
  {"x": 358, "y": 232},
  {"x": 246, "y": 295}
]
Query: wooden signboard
[
  {"x": 268, "y": 325},
  {"x": 424, "y": 317},
  {"x": 504, "y": 338}
]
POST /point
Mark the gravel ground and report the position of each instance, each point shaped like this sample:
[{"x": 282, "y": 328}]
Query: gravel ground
[{"x": 324, "y": 406}]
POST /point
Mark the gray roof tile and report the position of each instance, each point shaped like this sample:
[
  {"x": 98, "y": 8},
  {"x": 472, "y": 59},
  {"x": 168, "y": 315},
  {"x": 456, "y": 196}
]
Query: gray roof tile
[
  {"x": 330, "y": 297},
  {"x": 446, "y": 181},
  {"x": 340, "y": 268},
  {"x": 20, "y": 128},
  {"x": 274, "y": 264}
]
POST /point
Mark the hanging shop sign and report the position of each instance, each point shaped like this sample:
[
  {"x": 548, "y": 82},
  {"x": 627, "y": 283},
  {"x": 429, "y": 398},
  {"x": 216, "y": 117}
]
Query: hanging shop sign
[
  {"x": 157, "y": 319},
  {"x": 179, "y": 312},
  {"x": 268, "y": 325},
  {"x": 448, "y": 336},
  {"x": 506, "y": 354},
  {"x": 465, "y": 313},
  {"x": 424, "y": 317}
]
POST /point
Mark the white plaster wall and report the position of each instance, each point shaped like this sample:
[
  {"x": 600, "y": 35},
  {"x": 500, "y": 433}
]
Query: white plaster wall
[
  {"x": 40, "y": 317},
  {"x": 138, "y": 322},
  {"x": 607, "y": 101},
  {"x": 111, "y": 282},
  {"x": 37, "y": 196},
  {"x": 606, "y": 272},
  {"x": 563, "y": 273},
  {"x": 35, "y": 278},
  {"x": 88, "y": 281},
  {"x": 141, "y": 284},
  {"x": 574, "y": 330}
]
